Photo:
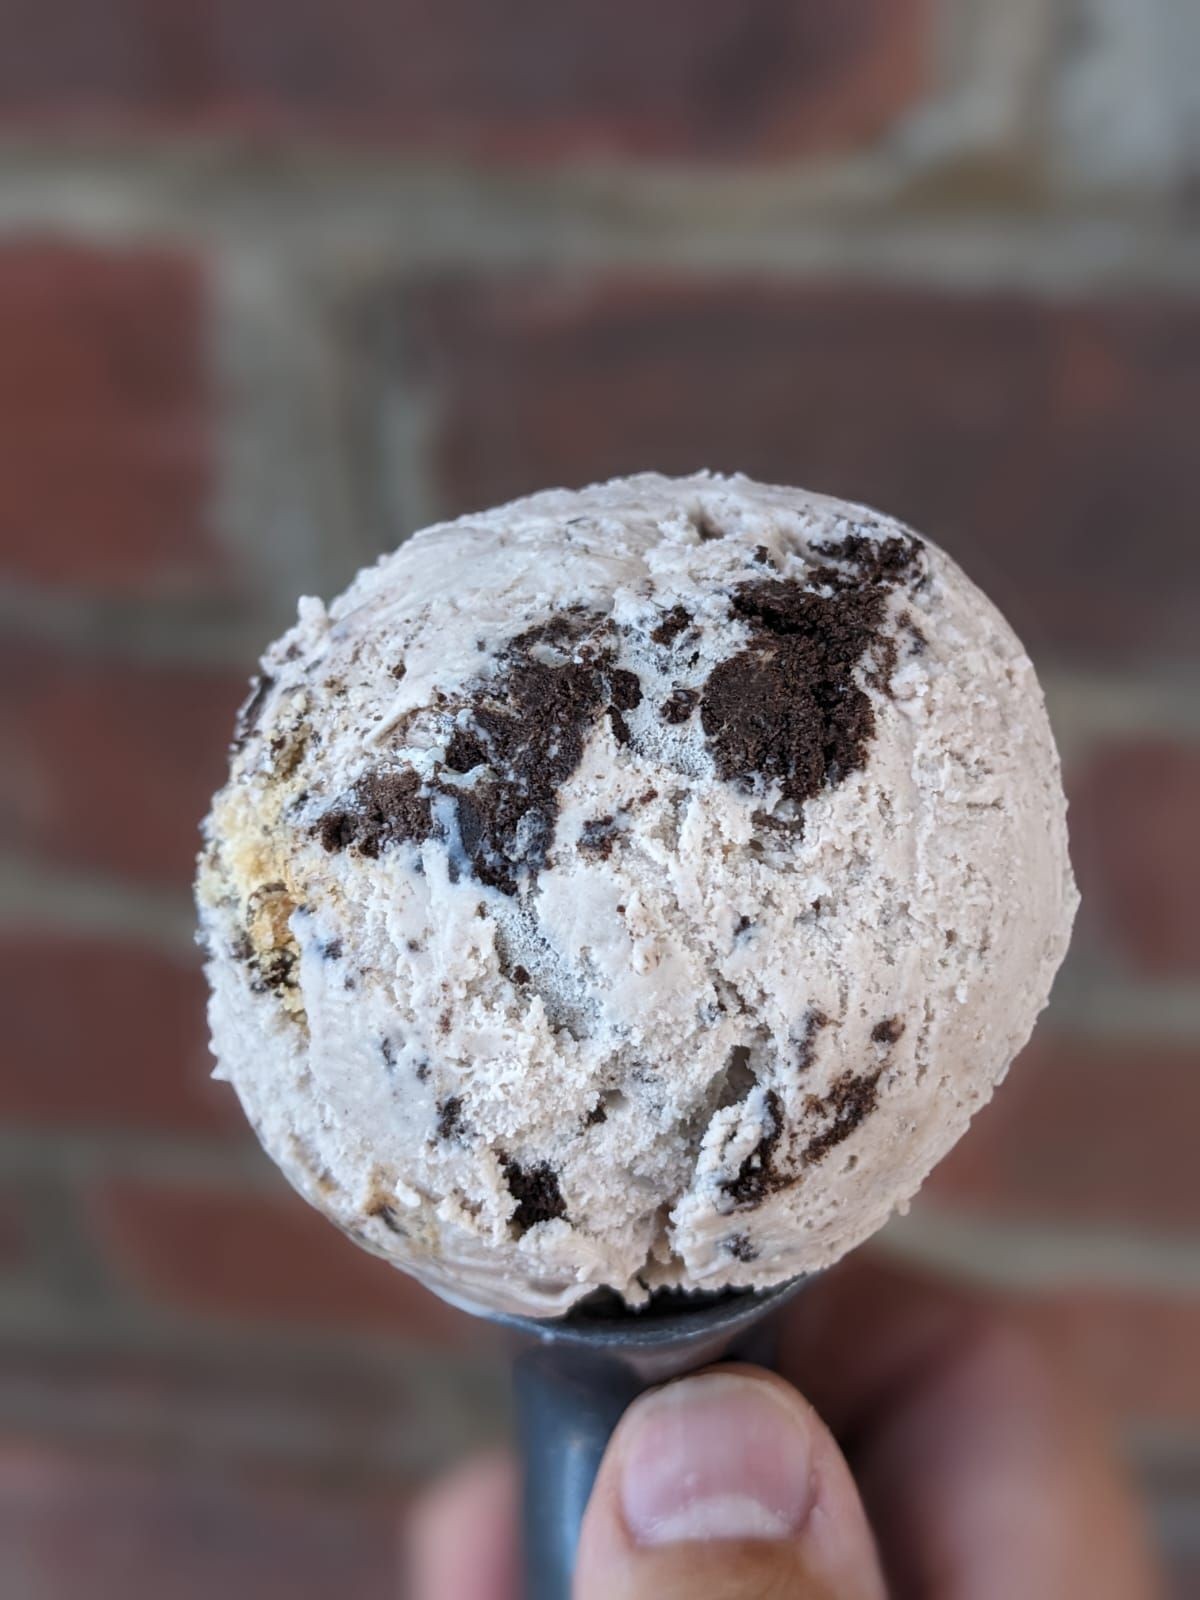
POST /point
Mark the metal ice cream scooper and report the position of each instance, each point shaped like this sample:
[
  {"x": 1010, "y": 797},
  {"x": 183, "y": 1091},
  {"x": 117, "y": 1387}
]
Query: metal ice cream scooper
[{"x": 573, "y": 1379}]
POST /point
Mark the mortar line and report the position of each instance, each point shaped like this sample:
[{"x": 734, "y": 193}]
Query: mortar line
[
  {"x": 858, "y": 218},
  {"x": 1045, "y": 1256}
]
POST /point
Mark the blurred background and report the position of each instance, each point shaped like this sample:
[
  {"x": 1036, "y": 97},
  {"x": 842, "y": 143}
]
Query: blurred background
[{"x": 280, "y": 282}]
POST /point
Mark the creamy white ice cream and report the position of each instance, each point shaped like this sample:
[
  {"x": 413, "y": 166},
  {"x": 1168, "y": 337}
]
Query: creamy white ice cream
[{"x": 633, "y": 887}]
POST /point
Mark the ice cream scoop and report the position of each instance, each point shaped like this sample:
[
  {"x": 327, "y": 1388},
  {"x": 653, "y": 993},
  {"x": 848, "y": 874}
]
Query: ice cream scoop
[
  {"x": 619, "y": 902},
  {"x": 574, "y": 1380},
  {"x": 636, "y": 888}
]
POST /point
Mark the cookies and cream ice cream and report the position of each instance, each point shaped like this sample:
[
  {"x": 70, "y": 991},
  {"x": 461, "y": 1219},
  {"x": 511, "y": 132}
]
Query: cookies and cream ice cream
[{"x": 635, "y": 887}]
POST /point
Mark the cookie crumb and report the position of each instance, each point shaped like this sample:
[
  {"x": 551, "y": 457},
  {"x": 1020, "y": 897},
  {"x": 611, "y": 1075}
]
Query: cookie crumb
[{"x": 536, "y": 1192}]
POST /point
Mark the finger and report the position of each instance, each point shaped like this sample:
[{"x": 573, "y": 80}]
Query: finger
[
  {"x": 867, "y": 1331},
  {"x": 725, "y": 1486},
  {"x": 984, "y": 1471},
  {"x": 990, "y": 1476},
  {"x": 461, "y": 1539}
]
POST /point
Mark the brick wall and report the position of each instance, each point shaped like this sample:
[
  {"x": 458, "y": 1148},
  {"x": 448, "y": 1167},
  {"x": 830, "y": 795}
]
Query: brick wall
[{"x": 278, "y": 284}]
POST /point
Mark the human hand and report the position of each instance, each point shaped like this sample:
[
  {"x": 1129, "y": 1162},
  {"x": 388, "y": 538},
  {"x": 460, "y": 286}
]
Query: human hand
[{"x": 965, "y": 1467}]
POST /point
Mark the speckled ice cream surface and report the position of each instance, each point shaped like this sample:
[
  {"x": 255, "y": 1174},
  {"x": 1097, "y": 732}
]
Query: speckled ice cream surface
[{"x": 635, "y": 887}]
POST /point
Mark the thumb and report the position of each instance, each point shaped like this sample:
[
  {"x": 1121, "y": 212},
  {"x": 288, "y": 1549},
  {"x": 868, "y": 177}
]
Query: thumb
[{"x": 725, "y": 1486}]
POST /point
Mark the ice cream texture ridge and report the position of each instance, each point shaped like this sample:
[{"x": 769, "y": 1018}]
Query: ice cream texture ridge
[{"x": 633, "y": 888}]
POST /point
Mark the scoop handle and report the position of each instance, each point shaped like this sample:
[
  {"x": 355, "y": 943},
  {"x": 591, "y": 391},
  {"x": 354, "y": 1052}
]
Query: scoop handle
[
  {"x": 569, "y": 1400},
  {"x": 564, "y": 1423}
]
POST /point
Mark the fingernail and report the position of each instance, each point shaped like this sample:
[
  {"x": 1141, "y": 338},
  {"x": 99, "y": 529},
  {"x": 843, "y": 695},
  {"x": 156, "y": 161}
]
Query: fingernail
[{"x": 719, "y": 1456}]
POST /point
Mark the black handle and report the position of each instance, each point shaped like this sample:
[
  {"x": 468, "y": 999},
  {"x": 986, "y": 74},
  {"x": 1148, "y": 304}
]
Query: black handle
[
  {"x": 564, "y": 1421},
  {"x": 573, "y": 1387}
]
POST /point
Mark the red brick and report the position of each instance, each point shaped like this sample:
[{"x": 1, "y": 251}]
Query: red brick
[
  {"x": 1134, "y": 810},
  {"x": 672, "y": 79},
  {"x": 1084, "y": 1130},
  {"x": 1049, "y": 446},
  {"x": 112, "y": 1529},
  {"x": 319, "y": 1415},
  {"x": 105, "y": 1034},
  {"x": 110, "y": 765},
  {"x": 1136, "y": 1351},
  {"x": 263, "y": 1257},
  {"x": 104, "y": 403}
]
